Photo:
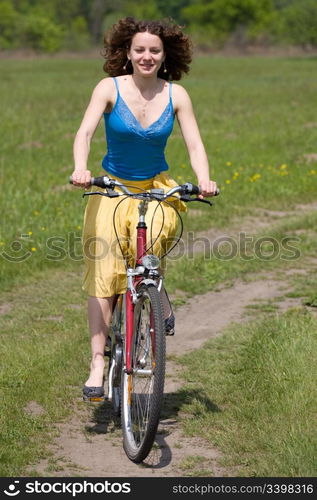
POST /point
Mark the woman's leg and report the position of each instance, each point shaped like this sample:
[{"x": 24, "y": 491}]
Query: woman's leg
[
  {"x": 105, "y": 273},
  {"x": 99, "y": 317}
]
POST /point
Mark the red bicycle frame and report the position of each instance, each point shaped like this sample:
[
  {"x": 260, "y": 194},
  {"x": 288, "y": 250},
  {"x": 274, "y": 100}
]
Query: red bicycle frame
[{"x": 140, "y": 252}]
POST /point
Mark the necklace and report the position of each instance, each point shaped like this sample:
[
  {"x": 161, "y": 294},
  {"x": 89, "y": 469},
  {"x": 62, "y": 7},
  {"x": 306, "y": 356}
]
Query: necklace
[{"x": 143, "y": 101}]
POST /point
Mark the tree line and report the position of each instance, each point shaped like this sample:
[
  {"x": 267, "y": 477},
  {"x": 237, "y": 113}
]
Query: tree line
[{"x": 52, "y": 25}]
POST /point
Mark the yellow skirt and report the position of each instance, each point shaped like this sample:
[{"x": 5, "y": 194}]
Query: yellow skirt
[{"x": 105, "y": 266}]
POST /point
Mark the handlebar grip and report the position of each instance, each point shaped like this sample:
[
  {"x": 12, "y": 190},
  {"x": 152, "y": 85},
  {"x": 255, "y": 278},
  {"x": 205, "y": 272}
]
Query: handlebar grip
[
  {"x": 191, "y": 188},
  {"x": 94, "y": 181},
  {"x": 98, "y": 181},
  {"x": 71, "y": 180}
]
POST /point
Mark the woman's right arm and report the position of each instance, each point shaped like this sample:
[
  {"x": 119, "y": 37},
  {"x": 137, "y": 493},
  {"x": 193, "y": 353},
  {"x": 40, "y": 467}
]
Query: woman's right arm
[{"x": 102, "y": 96}]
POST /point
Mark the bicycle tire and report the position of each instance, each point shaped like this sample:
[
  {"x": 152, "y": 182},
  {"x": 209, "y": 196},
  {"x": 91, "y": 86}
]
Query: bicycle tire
[
  {"x": 142, "y": 393},
  {"x": 116, "y": 356}
]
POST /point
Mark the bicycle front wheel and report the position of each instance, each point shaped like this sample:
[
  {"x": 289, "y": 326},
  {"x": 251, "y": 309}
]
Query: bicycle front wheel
[{"x": 142, "y": 390}]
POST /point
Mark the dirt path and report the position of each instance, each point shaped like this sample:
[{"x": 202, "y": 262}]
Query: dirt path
[
  {"x": 90, "y": 443},
  {"x": 205, "y": 242}
]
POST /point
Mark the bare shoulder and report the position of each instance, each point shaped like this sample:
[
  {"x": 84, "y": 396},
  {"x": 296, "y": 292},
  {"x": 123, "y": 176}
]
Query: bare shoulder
[
  {"x": 180, "y": 96},
  {"x": 105, "y": 91},
  {"x": 121, "y": 78},
  {"x": 179, "y": 91},
  {"x": 105, "y": 85}
]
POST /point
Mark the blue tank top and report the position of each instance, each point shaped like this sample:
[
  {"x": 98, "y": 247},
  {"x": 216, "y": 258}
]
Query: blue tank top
[{"x": 134, "y": 152}]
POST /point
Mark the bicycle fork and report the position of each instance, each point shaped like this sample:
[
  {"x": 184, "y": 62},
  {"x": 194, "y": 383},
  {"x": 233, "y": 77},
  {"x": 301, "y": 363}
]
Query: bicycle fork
[{"x": 135, "y": 277}]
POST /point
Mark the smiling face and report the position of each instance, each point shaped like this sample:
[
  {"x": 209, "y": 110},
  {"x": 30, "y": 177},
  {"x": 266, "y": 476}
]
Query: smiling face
[{"x": 146, "y": 53}]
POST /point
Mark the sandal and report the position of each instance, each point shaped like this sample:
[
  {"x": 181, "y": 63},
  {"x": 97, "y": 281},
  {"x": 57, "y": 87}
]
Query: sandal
[
  {"x": 170, "y": 325},
  {"x": 93, "y": 393}
]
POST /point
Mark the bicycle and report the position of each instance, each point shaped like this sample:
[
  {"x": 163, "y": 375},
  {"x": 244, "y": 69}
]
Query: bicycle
[{"x": 137, "y": 343}]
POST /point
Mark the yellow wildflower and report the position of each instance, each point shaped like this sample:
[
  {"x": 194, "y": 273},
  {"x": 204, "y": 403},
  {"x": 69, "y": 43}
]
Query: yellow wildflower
[
  {"x": 312, "y": 172},
  {"x": 228, "y": 163},
  {"x": 283, "y": 167},
  {"x": 36, "y": 212},
  {"x": 30, "y": 233},
  {"x": 228, "y": 181},
  {"x": 33, "y": 249},
  {"x": 255, "y": 177}
]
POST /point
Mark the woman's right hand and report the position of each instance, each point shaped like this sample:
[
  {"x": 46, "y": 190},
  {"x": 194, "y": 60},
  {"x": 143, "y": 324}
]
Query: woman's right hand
[{"x": 81, "y": 178}]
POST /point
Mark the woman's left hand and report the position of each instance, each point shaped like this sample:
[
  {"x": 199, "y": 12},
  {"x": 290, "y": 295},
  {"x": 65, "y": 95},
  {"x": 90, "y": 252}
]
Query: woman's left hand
[{"x": 207, "y": 188}]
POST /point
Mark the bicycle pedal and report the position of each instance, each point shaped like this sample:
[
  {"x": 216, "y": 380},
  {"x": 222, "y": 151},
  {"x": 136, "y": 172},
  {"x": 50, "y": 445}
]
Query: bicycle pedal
[{"x": 94, "y": 399}]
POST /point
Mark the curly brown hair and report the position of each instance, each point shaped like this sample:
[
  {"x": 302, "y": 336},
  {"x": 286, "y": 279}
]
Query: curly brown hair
[{"x": 177, "y": 47}]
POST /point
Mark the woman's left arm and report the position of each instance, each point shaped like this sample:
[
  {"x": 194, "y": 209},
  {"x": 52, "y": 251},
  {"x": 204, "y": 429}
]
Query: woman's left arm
[{"x": 190, "y": 131}]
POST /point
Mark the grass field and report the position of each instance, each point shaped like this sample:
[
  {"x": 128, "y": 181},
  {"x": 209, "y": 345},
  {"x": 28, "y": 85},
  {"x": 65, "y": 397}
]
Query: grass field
[
  {"x": 256, "y": 378},
  {"x": 256, "y": 120},
  {"x": 260, "y": 130}
]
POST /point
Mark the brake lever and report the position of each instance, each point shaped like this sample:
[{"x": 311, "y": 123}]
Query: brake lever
[
  {"x": 187, "y": 198},
  {"x": 110, "y": 193}
]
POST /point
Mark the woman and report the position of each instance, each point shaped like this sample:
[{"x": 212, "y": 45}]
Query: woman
[{"x": 138, "y": 104}]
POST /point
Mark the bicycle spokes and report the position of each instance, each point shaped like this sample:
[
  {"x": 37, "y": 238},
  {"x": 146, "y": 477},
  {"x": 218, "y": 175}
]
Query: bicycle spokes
[{"x": 143, "y": 388}]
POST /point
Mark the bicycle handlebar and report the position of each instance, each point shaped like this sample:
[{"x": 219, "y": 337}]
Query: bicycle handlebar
[{"x": 105, "y": 182}]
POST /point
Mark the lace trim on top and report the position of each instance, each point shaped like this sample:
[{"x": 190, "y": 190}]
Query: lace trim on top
[
  {"x": 131, "y": 121},
  {"x": 125, "y": 114}
]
